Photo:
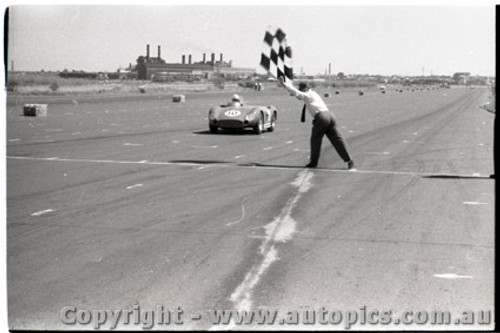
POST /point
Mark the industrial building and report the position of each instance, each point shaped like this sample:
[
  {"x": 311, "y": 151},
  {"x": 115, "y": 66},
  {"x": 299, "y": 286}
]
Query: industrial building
[{"x": 157, "y": 69}]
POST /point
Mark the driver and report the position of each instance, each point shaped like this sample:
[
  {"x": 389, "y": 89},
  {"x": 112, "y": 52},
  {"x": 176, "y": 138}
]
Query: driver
[{"x": 236, "y": 100}]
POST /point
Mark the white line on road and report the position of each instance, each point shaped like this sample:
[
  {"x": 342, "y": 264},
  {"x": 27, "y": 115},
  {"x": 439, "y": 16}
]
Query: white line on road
[
  {"x": 377, "y": 152},
  {"x": 41, "y": 212},
  {"x": 474, "y": 203},
  {"x": 452, "y": 276},
  {"x": 132, "y": 144},
  {"x": 263, "y": 167},
  {"x": 279, "y": 230},
  {"x": 212, "y": 147},
  {"x": 133, "y": 186}
]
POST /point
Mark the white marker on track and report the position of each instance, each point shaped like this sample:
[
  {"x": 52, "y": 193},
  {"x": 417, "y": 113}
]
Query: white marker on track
[{"x": 41, "y": 212}]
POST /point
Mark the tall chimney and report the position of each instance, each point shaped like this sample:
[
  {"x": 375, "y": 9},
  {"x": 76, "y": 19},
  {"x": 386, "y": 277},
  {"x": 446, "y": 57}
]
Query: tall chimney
[
  {"x": 183, "y": 59},
  {"x": 221, "y": 57},
  {"x": 159, "y": 51},
  {"x": 204, "y": 57},
  {"x": 190, "y": 59},
  {"x": 147, "y": 51},
  {"x": 213, "y": 58},
  {"x": 330, "y": 68}
]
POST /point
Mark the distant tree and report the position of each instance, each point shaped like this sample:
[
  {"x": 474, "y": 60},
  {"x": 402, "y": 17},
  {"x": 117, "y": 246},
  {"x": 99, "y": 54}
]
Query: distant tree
[
  {"x": 54, "y": 86},
  {"x": 341, "y": 75}
]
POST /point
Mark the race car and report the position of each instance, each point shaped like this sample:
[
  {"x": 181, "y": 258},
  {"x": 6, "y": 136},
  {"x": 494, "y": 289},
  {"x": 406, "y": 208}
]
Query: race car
[{"x": 237, "y": 115}]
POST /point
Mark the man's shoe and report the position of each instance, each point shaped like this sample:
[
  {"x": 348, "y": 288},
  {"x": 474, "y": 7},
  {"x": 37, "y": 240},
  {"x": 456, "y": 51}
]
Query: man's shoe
[
  {"x": 350, "y": 164},
  {"x": 311, "y": 165}
]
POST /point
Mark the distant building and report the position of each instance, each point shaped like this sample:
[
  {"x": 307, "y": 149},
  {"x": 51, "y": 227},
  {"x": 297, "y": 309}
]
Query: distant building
[
  {"x": 460, "y": 78},
  {"x": 157, "y": 69}
]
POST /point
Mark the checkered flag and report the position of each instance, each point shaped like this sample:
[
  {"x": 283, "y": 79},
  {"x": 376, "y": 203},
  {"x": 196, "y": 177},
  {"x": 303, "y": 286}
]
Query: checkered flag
[{"x": 276, "y": 55}]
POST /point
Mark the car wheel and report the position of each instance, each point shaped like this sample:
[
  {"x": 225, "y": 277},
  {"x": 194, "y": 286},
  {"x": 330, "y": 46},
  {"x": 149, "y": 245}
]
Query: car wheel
[
  {"x": 273, "y": 123},
  {"x": 213, "y": 129},
  {"x": 260, "y": 125}
]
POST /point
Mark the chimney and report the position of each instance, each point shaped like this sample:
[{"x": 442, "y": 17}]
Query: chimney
[
  {"x": 190, "y": 59},
  {"x": 183, "y": 59},
  {"x": 147, "y": 51},
  {"x": 213, "y": 58},
  {"x": 221, "y": 58},
  {"x": 159, "y": 51},
  {"x": 204, "y": 57},
  {"x": 330, "y": 69}
]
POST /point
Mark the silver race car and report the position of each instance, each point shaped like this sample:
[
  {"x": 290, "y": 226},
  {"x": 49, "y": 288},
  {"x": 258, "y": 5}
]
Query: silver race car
[{"x": 238, "y": 115}]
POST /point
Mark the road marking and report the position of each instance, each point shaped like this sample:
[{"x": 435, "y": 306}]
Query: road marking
[
  {"x": 263, "y": 167},
  {"x": 132, "y": 144},
  {"x": 474, "y": 203},
  {"x": 267, "y": 148},
  {"x": 53, "y": 130},
  {"x": 14, "y": 140},
  {"x": 289, "y": 142},
  {"x": 242, "y": 212},
  {"x": 452, "y": 276},
  {"x": 41, "y": 212},
  {"x": 133, "y": 186},
  {"x": 211, "y": 147},
  {"x": 279, "y": 230},
  {"x": 377, "y": 152},
  {"x": 239, "y": 156}
]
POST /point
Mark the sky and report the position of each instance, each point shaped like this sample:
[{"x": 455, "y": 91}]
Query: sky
[{"x": 359, "y": 39}]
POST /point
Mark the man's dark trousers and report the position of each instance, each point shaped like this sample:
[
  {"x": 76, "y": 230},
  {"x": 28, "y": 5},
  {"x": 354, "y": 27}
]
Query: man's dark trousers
[{"x": 324, "y": 124}]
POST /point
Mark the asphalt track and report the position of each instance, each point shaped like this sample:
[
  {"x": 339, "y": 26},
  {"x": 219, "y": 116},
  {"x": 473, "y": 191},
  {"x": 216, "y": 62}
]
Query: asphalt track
[{"x": 115, "y": 202}]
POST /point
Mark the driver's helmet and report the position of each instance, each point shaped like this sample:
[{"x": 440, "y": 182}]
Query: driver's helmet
[{"x": 236, "y": 99}]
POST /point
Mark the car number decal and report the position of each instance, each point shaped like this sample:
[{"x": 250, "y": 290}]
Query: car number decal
[{"x": 232, "y": 113}]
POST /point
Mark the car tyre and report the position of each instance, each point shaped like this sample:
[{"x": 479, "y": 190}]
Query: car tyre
[
  {"x": 259, "y": 127},
  {"x": 213, "y": 129},
  {"x": 273, "y": 123}
]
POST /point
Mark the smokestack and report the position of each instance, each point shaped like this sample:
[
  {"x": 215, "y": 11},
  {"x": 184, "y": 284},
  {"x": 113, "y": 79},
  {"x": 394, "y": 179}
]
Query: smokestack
[
  {"x": 204, "y": 57},
  {"x": 213, "y": 58},
  {"x": 221, "y": 57},
  {"x": 159, "y": 51},
  {"x": 190, "y": 59},
  {"x": 183, "y": 59},
  {"x": 330, "y": 69},
  {"x": 147, "y": 51}
]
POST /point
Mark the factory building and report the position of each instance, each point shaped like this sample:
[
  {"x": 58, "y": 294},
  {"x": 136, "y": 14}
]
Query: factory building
[{"x": 157, "y": 69}]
